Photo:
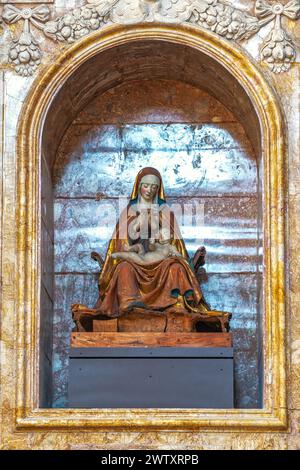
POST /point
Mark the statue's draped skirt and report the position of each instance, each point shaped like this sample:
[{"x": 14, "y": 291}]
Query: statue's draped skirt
[{"x": 154, "y": 287}]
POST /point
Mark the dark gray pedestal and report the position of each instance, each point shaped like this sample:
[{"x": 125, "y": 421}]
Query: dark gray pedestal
[{"x": 164, "y": 377}]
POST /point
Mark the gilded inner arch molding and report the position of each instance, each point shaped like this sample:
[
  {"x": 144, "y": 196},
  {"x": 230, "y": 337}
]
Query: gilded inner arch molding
[
  {"x": 276, "y": 50},
  {"x": 245, "y": 75}
]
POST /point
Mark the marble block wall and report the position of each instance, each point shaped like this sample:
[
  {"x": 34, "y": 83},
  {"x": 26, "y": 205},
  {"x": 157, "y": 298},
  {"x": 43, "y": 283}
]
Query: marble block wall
[
  {"x": 47, "y": 286},
  {"x": 206, "y": 161}
]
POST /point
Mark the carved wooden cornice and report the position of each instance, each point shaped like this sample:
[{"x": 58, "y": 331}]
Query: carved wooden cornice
[{"x": 277, "y": 49}]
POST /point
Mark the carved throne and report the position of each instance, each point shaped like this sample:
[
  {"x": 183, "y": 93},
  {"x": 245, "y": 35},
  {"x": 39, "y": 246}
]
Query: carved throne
[{"x": 149, "y": 321}]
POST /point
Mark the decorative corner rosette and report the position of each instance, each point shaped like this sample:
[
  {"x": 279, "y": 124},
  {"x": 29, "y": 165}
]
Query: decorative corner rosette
[
  {"x": 277, "y": 49},
  {"x": 25, "y": 53}
]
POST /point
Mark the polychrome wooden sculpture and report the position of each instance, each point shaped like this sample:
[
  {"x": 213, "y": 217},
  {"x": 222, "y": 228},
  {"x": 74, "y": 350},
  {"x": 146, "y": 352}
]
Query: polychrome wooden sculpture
[{"x": 147, "y": 276}]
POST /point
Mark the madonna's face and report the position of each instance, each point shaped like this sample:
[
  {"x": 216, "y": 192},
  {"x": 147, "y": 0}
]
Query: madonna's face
[
  {"x": 149, "y": 187},
  {"x": 149, "y": 191}
]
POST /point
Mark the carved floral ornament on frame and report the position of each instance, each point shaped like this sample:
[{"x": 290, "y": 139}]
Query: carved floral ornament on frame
[{"x": 277, "y": 49}]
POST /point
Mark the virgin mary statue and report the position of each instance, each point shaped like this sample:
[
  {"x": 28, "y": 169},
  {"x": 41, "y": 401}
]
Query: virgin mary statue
[{"x": 166, "y": 283}]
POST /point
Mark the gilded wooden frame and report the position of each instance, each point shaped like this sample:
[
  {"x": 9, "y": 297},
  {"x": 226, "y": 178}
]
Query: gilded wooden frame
[{"x": 28, "y": 415}]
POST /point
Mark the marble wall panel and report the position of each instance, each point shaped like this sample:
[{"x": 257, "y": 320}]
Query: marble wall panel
[
  {"x": 47, "y": 198},
  {"x": 246, "y": 380},
  {"x": 193, "y": 159},
  {"x": 195, "y": 172},
  {"x": 69, "y": 289},
  {"x": 46, "y": 323},
  {"x": 184, "y": 136},
  {"x": 294, "y": 303},
  {"x": 238, "y": 293},
  {"x": 295, "y": 230},
  {"x": 288, "y": 88},
  {"x": 16, "y": 89},
  {"x": 56, "y": 123},
  {"x": 47, "y": 252},
  {"x": 47, "y": 269},
  {"x": 46, "y": 348},
  {"x": 47, "y": 256},
  {"x": 235, "y": 293},
  {"x": 226, "y": 226},
  {"x": 82, "y": 226},
  {"x": 245, "y": 338},
  {"x": 88, "y": 162}
]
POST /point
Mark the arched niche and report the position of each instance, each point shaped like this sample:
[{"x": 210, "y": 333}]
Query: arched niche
[
  {"x": 177, "y": 53},
  {"x": 210, "y": 175}
]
